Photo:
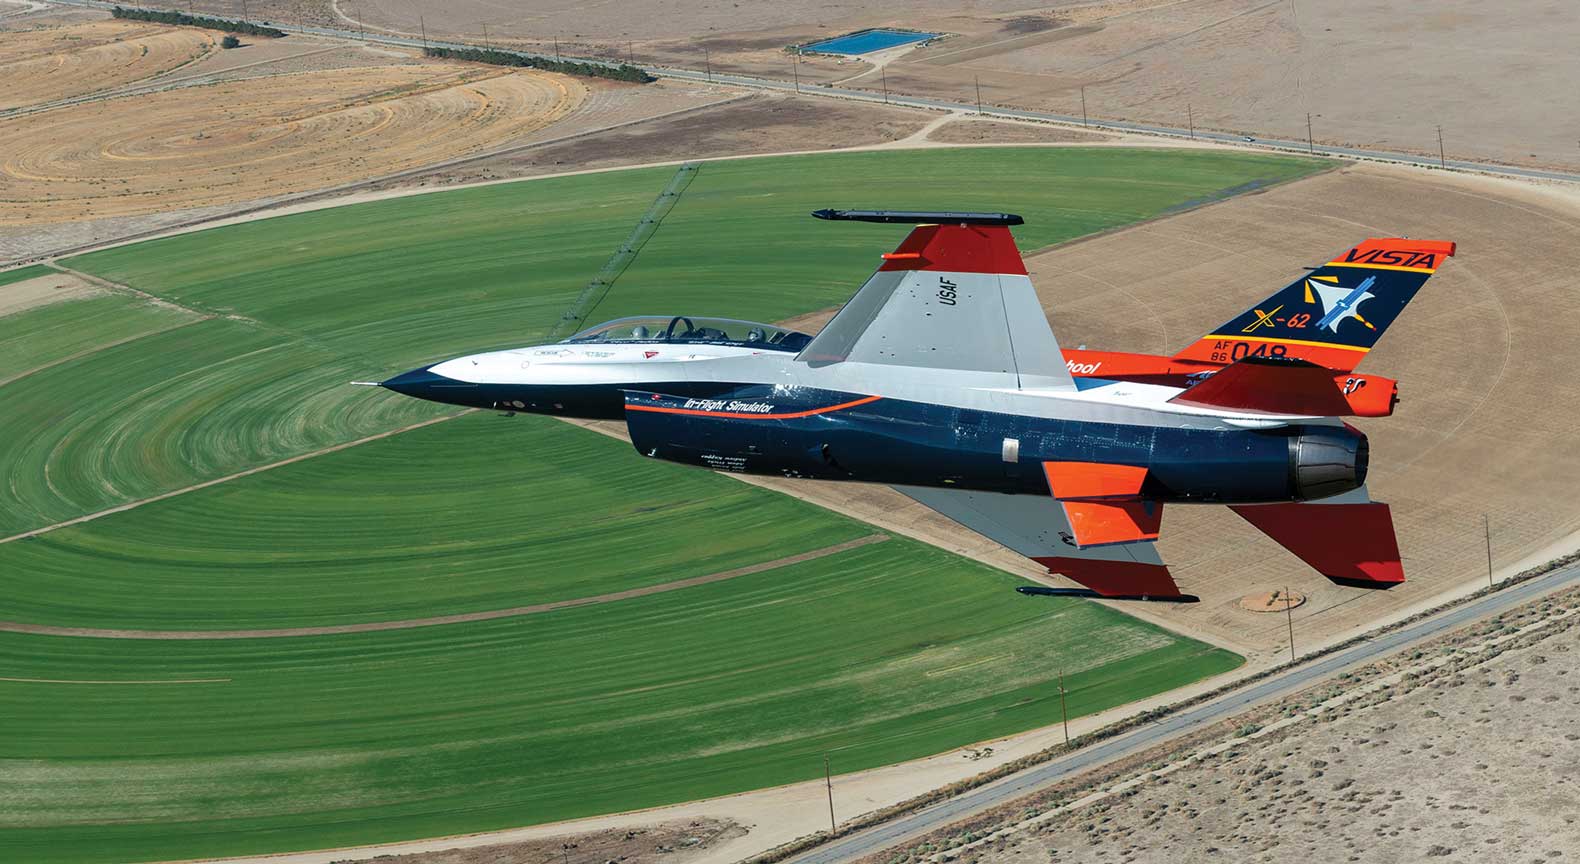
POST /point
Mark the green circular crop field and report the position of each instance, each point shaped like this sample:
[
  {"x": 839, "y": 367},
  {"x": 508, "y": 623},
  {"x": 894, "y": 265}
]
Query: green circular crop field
[{"x": 620, "y": 679}]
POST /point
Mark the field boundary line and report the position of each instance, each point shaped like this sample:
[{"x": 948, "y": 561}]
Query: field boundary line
[
  {"x": 458, "y": 618},
  {"x": 130, "y": 505}
]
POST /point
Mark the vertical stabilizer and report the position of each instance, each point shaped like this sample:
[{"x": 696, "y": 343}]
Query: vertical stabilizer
[{"x": 954, "y": 296}]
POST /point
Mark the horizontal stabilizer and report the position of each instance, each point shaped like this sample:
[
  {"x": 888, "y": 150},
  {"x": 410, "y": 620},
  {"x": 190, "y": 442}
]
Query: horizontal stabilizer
[
  {"x": 1351, "y": 544},
  {"x": 1116, "y": 579},
  {"x": 1268, "y": 386}
]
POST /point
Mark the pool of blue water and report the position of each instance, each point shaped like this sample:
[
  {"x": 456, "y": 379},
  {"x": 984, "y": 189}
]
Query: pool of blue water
[{"x": 867, "y": 41}]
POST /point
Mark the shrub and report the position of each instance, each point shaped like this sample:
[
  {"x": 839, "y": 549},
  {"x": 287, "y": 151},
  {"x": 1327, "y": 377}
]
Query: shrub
[
  {"x": 197, "y": 21},
  {"x": 620, "y": 72},
  {"x": 230, "y": 41}
]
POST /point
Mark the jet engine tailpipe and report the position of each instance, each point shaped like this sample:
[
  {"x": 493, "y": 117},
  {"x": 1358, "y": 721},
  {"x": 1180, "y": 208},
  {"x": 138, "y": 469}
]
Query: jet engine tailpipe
[{"x": 1327, "y": 460}]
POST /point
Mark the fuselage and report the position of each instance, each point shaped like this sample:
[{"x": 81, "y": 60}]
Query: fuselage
[{"x": 748, "y": 406}]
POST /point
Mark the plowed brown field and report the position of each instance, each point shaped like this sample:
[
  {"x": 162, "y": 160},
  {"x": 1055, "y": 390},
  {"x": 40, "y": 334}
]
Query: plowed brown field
[
  {"x": 40, "y": 66},
  {"x": 243, "y": 140}
]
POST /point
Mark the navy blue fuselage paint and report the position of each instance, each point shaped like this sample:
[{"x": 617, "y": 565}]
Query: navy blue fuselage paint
[{"x": 791, "y": 432}]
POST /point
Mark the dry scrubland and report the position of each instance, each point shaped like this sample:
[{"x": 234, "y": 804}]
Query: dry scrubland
[
  {"x": 1478, "y": 760},
  {"x": 1370, "y": 75}
]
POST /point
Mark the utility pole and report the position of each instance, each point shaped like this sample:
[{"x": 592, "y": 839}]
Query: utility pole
[
  {"x": 630, "y": 53},
  {"x": 244, "y": 15},
  {"x": 556, "y": 49},
  {"x": 884, "y": 74},
  {"x": 1289, "y": 615},
  {"x": 1190, "y": 120},
  {"x": 979, "y": 95},
  {"x": 423, "y": 26},
  {"x": 795, "y": 70},
  {"x": 1486, "y": 525},
  {"x": 485, "y": 38},
  {"x": 707, "y": 59},
  {"x": 1311, "y": 146},
  {"x": 828, "y": 778},
  {"x": 1441, "y": 162},
  {"x": 1083, "y": 105},
  {"x": 1063, "y": 710}
]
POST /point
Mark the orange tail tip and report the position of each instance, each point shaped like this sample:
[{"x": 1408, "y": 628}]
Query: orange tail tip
[{"x": 957, "y": 249}]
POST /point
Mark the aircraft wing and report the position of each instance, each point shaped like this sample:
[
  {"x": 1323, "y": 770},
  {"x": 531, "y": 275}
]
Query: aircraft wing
[{"x": 1039, "y": 529}]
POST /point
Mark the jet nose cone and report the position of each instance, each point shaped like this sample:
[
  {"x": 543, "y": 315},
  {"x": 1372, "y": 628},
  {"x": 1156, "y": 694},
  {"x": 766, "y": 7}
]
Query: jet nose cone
[{"x": 424, "y": 383}]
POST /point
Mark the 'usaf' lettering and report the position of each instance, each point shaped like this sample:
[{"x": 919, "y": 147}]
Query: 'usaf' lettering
[{"x": 947, "y": 291}]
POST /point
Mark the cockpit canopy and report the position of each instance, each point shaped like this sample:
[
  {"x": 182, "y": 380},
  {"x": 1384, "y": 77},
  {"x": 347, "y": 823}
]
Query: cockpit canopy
[{"x": 685, "y": 329}]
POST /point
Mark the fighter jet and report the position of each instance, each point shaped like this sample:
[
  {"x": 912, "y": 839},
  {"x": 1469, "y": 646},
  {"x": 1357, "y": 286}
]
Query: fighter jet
[{"x": 942, "y": 378}]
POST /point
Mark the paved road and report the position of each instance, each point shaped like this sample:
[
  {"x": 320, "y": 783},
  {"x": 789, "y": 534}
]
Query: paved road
[
  {"x": 1003, "y": 791},
  {"x": 937, "y": 104}
]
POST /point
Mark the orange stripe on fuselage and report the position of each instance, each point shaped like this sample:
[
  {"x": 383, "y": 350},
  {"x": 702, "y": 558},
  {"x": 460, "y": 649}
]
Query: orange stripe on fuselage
[{"x": 743, "y": 415}]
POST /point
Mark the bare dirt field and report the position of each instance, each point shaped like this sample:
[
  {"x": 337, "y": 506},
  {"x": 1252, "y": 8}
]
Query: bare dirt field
[
  {"x": 42, "y": 291},
  {"x": 673, "y": 842},
  {"x": 1464, "y": 750},
  {"x": 46, "y": 64},
  {"x": 979, "y": 130},
  {"x": 248, "y": 139},
  {"x": 747, "y": 124},
  {"x": 1479, "y": 355}
]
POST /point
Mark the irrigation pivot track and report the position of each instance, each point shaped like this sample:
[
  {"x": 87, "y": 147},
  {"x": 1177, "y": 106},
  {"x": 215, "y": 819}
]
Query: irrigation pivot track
[{"x": 597, "y": 289}]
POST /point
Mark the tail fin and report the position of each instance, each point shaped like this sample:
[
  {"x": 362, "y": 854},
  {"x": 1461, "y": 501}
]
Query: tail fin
[
  {"x": 955, "y": 296},
  {"x": 1333, "y": 315}
]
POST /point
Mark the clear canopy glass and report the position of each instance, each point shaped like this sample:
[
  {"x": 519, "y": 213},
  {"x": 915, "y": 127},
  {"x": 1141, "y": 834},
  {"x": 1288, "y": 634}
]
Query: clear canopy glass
[{"x": 693, "y": 329}]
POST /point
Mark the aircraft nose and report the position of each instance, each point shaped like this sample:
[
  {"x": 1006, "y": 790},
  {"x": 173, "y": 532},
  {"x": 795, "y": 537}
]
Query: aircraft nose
[{"x": 419, "y": 383}]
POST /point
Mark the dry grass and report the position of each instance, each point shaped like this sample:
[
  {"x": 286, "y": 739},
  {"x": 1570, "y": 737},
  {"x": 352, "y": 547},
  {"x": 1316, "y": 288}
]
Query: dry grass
[{"x": 243, "y": 140}]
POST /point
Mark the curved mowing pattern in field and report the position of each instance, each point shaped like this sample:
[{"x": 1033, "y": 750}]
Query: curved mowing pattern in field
[
  {"x": 358, "y": 292},
  {"x": 38, "y": 338},
  {"x": 473, "y": 514},
  {"x": 57, "y": 63},
  {"x": 874, "y": 655},
  {"x": 311, "y": 302}
]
